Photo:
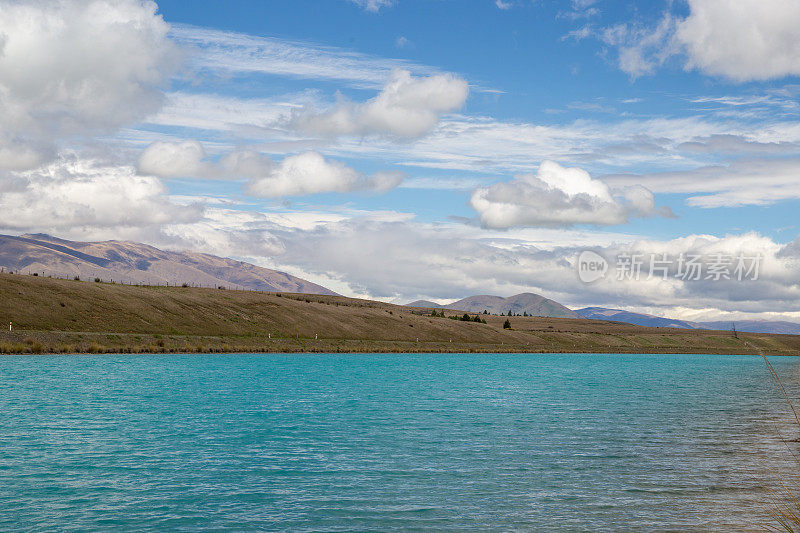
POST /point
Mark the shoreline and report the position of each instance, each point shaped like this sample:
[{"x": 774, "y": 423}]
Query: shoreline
[{"x": 47, "y": 342}]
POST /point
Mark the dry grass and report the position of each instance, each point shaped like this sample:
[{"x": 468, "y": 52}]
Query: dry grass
[
  {"x": 78, "y": 316},
  {"x": 785, "y": 504}
]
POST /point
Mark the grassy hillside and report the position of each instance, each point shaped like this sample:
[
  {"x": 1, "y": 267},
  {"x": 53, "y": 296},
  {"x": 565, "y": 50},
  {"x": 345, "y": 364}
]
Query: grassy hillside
[{"x": 53, "y": 315}]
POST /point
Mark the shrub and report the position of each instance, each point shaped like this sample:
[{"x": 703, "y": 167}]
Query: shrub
[
  {"x": 77, "y": 278},
  {"x": 37, "y": 347},
  {"x": 184, "y": 285},
  {"x": 507, "y": 324},
  {"x": 97, "y": 280}
]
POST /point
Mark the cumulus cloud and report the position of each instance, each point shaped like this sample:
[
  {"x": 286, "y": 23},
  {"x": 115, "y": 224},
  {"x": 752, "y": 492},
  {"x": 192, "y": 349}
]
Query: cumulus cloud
[
  {"x": 770, "y": 287},
  {"x": 406, "y": 107},
  {"x": 558, "y": 196},
  {"x": 311, "y": 173},
  {"x": 188, "y": 159},
  {"x": 56, "y": 82},
  {"x": 742, "y": 41},
  {"x": 74, "y": 193},
  {"x": 368, "y": 256}
]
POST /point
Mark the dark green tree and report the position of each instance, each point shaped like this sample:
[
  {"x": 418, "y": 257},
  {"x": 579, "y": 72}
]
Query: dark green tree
[{"x": 507, "y": 324}]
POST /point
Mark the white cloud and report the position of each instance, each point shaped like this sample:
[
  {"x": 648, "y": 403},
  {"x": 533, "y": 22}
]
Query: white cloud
[
  {"x": 740, "y": 40},
  {"x": 76, "y": 194},
  {"x": 311, "y": 173},
  {"x": 226, "y": 53},
  {"x": 483, "y": 145},
  {"x": 187, "y": 159},
  {"x": 743, "y": 40},
  {"x": 743, "y": 182},
  {"x": 173, "y": 159},
  {"x": 225, "y": 113},
  {"x": 373, "y": 5},
  {"x": 581, "y": 9},
  {"x": 384, "y": 180},
  {"x": 406, "y": 107},
  {"x": 557, "y": 196},
  {"x": 641, "y": 50},
  {"x": 75, "y": 69},
  {"x": 366, "y": 256}
]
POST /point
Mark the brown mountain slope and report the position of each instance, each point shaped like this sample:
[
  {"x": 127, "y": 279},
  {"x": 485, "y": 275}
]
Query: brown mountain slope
[{"x": 131, "y": 262}]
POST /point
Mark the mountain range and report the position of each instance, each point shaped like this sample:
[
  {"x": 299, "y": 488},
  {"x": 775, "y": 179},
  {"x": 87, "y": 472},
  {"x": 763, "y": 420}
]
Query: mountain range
[
  {"x": 131, "y": 262},
  {"x": 536, "y": 305},
  {"x": 641, "y": 319}
]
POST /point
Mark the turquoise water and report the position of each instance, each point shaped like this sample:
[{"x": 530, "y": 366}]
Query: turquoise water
[{"x": 382, "y": 442}]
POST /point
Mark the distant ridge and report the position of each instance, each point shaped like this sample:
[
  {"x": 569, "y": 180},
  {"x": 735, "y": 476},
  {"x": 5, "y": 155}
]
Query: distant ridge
[
  {"x": 423, "y": 303},
  {"x": 131, "y": 262},
  {"x": 527, "y": 302},
  {"x": 642, "y": 319}
]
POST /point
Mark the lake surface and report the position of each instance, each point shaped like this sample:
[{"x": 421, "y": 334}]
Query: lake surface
[{"x": 382, "y": 442}]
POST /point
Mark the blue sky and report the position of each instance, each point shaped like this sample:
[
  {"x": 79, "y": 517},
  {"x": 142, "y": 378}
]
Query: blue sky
[
  {"x": 523, "y": 66},
  {"x": 359, "y": 142}
]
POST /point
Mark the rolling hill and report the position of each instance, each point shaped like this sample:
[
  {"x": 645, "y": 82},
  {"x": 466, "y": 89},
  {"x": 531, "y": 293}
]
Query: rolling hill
[
  {"x": 533, "y": 304},
  {"x": 65, "y": 316},
  {"x": 130, "y": 262}
]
